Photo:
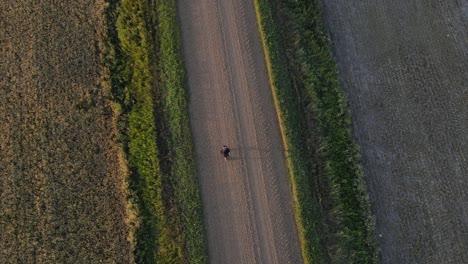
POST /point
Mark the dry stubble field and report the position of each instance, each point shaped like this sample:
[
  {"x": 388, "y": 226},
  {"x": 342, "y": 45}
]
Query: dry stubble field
[
  {"x": 62, "y": 188},
  {"x": 404, "y": 68}
]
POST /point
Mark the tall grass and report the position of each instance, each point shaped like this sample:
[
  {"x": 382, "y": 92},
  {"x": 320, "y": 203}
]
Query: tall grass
[
  {"x": 157, "y": 236},
  {"x": 349, "y": 230},
  {"x": 183, "y": 170},
  {"x": 148, "y": 83},
  {"x": 292, "y": 127}
]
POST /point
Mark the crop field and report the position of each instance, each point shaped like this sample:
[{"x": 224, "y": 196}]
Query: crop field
[
  {"x": 404, "y": 68},
  {"x": 62, "y": 177}
]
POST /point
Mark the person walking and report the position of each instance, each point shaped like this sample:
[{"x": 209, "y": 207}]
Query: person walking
[{"x": 225, "y": 151}]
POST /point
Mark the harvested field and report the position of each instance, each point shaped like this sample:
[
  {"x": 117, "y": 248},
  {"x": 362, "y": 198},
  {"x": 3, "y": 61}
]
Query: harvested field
[
  {"x": 404, "y": 68},
  {"x": 62, "y": 178}
]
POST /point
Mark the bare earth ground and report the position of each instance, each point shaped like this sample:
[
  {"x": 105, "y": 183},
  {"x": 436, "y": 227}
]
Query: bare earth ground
[
  {"x": 404, "y": 66},
  {"x": 62, "y": 196},
  {"x": 246, "y": 200}
]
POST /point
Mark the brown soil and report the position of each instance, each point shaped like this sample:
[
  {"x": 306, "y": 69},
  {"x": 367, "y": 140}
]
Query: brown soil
[
  {"x": 404, "y": 67},
  {"x": 246, "y": 200},
  {"x": 62, "y": 185}
]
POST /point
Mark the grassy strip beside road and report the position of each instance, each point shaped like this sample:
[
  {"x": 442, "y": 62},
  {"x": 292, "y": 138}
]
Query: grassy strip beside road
[
  {"x": 158, "y": 236},
  {"x": 292, "y": 131},
  {"x": 349, "y": 235},
  {"x": 148, "y": 79},
  {"x": 318, "y": 82},
  {"x": 143, "y": 153},
  {"x": 183, "y": 171}
]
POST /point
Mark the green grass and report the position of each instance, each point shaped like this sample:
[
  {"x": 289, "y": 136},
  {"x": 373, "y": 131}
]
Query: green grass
[
  {"x": 306, "y": 210},
  {"x": 315, "y": 81},
  {"x": 183, "y": 165},
  {"x": 148, "y": 83}
]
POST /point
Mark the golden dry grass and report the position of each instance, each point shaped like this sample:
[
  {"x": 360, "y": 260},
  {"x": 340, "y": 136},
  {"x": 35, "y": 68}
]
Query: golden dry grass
[{"x": 62, "y": 176}]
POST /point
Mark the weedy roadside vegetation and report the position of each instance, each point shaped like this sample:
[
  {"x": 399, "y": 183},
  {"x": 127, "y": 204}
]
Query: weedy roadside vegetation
[
  {"x": 148, "y": 84},
  {"x": 332, "y": 206}
]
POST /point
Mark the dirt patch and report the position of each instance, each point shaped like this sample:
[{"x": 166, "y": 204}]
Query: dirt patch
[
  {"x": 62, "y": 187},
  {"x": 247, "y": 201},
  {"x": 404, "y": 69}
]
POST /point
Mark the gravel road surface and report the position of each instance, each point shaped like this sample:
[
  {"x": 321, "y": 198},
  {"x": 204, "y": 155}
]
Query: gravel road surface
[{"x": 247, "y": 201}]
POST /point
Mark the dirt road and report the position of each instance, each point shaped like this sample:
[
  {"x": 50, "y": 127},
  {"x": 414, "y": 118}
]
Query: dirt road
[
  {"x": 404, "y": 67},
  {"x": 246, "y": 200}
]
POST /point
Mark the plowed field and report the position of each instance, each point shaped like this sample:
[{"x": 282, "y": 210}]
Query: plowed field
[
  {"x": 62, "y": 193},
  {"x": 404, "y": 66}
]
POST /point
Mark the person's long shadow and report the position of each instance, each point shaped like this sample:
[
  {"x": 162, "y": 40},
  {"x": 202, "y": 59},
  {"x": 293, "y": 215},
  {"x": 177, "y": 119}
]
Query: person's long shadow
[{"x": 249, "y": 152}]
